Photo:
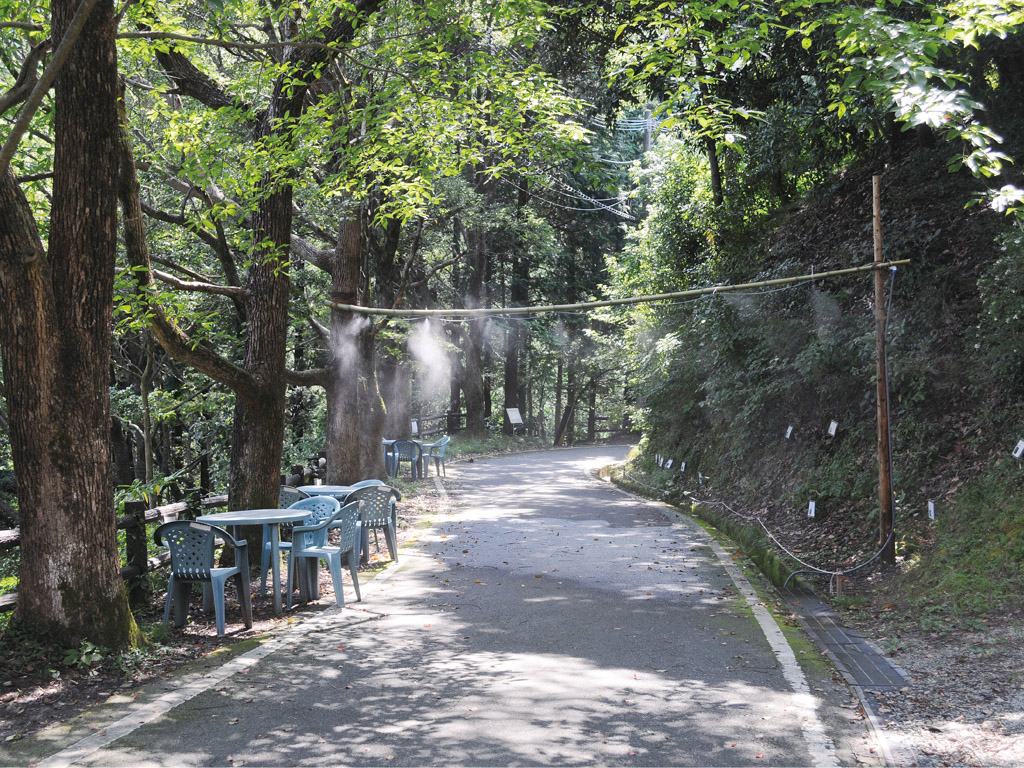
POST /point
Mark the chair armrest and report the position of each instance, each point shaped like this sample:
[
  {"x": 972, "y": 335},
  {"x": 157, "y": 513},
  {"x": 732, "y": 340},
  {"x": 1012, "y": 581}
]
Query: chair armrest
[
  {"x": 307, "y": 528},
  {"x": 241, "y": 554}
]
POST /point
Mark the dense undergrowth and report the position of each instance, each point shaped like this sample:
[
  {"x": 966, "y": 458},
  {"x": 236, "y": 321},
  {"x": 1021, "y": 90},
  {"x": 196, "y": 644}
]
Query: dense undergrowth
[{"x": 739, "y": 391}]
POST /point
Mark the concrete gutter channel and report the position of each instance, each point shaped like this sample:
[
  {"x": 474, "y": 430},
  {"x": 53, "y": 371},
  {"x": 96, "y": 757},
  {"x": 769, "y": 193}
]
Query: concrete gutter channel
[
  {"x": 862, "y": 666},
  {"x": 857, "y": 659}
]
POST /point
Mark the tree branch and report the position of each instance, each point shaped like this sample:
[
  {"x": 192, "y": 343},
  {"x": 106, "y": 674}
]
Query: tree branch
[
  {"x": 184, "y": 270},
  {"x": 35, "y": 98},
  {"x": 316, "y": 377},
  {"x": 186, "y": 285},
  {"x": 177, "y": 343},
  {"x": 322, "y": 331},
  {"x": 27, "y": 78},
  {"x": 321, "y": 258}
]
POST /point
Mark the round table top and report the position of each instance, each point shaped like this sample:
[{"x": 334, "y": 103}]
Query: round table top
[
  {"x": 255, "y": 516},
  {"x": 327, "y": 490}
]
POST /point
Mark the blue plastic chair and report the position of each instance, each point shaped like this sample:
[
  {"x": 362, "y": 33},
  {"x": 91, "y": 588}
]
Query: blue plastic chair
[
  {"x": 378, "y": 512},
  {"x": 310, "y": 541},
  {"x": 412, "y": 452},
  {"x": 192, "y": 562},
  {"x": 436, "y": 451},
  {"x": 314, "y": 504},
  {"x": 289, "y": 496}
]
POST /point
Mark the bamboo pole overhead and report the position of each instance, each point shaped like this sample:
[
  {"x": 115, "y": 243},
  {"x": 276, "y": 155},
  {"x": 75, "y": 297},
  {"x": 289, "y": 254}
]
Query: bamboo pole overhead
[{"x": 587, "y": 305}]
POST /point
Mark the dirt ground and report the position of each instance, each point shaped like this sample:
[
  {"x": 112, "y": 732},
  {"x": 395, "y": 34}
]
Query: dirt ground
[
  {"x": 42, "y": 686},
  {"x": 964, "y": 706}
]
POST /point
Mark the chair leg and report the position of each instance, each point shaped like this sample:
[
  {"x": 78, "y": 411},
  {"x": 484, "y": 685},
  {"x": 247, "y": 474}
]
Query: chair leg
[
  {"x": 244, "y": 597},
  {"x": 182, "y": 590},
  {"x": 207, "y": 596},
  {"x": 389, "y": 536},
  {"x": 353, "y": 568},
  {"x": 217, "y": 588},
  {"x": 334, "y": 564},
  {"x": 290, "y": 584}
]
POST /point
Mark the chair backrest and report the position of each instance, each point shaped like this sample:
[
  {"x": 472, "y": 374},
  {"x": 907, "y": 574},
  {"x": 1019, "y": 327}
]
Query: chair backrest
[
  {"x": 347, "y": 521},
  {"x": 191, "y": 545},
  {"x": 319, "y": 507},
  {"x": 365, "y": 483},
  {"x": 407, "y": 450},
  {"x": 377, "y": 504},
  {"x": 438, "y": 448},
  {"x": 315, "y": 534},
  {"x": 289, "y": 496}
]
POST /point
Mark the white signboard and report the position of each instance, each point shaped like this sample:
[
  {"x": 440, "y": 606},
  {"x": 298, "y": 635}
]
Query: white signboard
[
  {"x": 514, "y": 417},
  {"x": 931, "y": 510},
  {"x": 789, "y": 433},
  {"x": 1019, "y": 450},
  {"x": 415, "y": 425},
  {"x": 832, "y": 428},
  {"x": 810, "y": 509},
  {"x": 668, "y": 464}
]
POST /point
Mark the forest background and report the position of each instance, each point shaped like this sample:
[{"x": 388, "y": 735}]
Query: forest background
[{"x": 193, "y": 194}]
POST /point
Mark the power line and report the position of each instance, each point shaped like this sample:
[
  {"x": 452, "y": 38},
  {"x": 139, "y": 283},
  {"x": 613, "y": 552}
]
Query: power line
[{"x": 714, "y": 289}]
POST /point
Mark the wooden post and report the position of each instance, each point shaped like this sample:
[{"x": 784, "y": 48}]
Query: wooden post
[
  {"x": 136, "y": 550},
  {"x": 193, "y": 498},
  {"x": 885, "y": 516}
]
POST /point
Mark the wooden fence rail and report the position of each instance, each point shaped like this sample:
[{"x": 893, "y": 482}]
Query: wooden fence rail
[
  {"x": 451, "y": 422},
  {"x": 133, "y": 523}
]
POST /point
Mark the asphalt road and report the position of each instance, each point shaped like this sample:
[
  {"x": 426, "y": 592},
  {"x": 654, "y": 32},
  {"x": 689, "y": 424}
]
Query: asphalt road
[{"x": 547, "y": 619}]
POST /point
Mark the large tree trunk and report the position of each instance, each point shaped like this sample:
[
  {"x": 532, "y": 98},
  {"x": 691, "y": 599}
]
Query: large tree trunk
[
  {"x": 355, "y": 412},
  {"x": 396, "y": 387},
  {"x": 473, "y": 338},
  {"x": 515, "y": 340},
  {"x": 55, "y": 334},
  {"x": 258, "y": 430}
]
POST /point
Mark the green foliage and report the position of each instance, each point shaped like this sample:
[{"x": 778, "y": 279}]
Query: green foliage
[
  {"x": 85, "y": 656},
  {"x": 1000, "y": 331},
  {"x": 463, "y": 446},
  {"x": 976, "y": 565}
]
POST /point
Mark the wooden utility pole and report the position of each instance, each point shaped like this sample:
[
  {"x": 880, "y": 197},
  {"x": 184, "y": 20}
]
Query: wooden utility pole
[{"x": 885, "y": 517}]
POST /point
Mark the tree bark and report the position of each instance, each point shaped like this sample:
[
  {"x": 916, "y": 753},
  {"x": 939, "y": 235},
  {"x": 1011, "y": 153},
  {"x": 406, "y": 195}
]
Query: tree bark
[
  {"x": 355, "y": 411},
  {"x": 473, "y": 338},
  {"x": 55, "y": 334}
]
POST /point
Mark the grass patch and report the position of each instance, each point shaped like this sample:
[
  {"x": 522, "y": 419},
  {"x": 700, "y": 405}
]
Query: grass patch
[{"x": 976, "y": 565}]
